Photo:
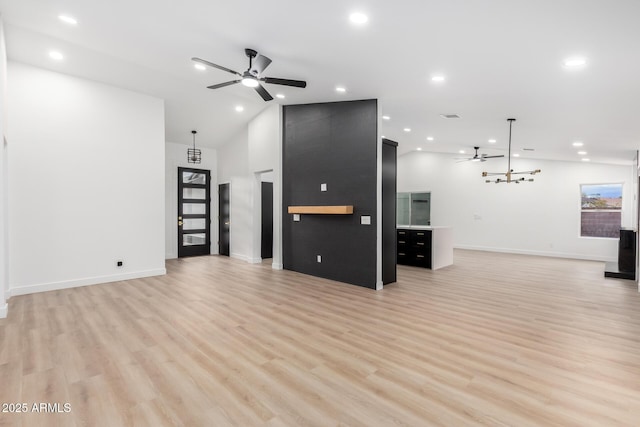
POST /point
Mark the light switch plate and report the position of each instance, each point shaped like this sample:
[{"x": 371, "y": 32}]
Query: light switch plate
[
  {"x": 296, "y": 217},
  {"x": 319, "y": 258},
  {"x": 323, "y": 187},
  {"x": 365, "y": 220}
]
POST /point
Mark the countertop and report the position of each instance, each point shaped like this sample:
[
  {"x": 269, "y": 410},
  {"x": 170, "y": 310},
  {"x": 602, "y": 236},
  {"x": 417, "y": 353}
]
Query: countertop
[{"x": 422, "y": 227}]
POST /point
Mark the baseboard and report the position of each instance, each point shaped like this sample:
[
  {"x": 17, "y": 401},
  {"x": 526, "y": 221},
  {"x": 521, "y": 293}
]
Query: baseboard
[
  {"x": 4, "y": 310},
  {"x": 277, "y": 266},
  {"x": 54, "y": 286},
  {"x": 255, "y": 261},
  {"x": 240, "y": 257},
  {"x": 538, "y": 253}
]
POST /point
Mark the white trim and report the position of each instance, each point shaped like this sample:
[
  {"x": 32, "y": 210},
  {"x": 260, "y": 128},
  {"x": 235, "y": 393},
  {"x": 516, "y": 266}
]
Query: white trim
[
  {"x": 255, "y": 261},
  {"x": 277, "y": 266},
  {"x": 379, "y": 218},
  {"x": 54, "y": 286},
  {"x": 241, "y": 257},
  {"x": 7, "y": 294},
  {"x": 4, "y": 310},
  {"x": 538, "y": 253}
]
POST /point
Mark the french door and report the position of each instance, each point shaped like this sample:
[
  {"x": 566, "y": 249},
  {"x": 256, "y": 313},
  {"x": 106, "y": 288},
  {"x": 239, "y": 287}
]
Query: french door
[{"x": 194, "y": 212}]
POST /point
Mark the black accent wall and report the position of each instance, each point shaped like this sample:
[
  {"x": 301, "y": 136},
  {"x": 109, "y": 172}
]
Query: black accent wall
[{"x": 333, "y": 144}]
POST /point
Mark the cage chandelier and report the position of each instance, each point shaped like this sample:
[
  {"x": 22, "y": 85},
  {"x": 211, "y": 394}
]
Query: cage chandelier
[
  {"x": 509, "y": 174},
  {"x": 193, "y": 154}
]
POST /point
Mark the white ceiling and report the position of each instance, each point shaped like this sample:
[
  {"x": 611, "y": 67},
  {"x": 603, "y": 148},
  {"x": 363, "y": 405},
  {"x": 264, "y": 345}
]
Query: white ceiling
[{"x": 501, "y": 58}]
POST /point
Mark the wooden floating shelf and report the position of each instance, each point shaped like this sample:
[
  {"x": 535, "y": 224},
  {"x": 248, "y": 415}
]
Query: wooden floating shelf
[{"x": 331, "y": 210}]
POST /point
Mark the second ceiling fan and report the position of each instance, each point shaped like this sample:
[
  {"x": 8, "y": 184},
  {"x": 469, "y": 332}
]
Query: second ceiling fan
[
  {"x": 252, "y": 76},
  {"x": 478, "y": 157}
]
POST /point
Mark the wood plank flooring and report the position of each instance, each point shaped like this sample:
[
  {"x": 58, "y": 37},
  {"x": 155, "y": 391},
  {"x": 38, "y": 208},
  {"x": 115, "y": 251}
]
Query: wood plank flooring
[{"x": 494, "y": 340}]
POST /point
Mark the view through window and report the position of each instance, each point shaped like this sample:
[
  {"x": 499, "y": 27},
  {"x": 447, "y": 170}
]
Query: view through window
[{"x": 601, "y": 210}]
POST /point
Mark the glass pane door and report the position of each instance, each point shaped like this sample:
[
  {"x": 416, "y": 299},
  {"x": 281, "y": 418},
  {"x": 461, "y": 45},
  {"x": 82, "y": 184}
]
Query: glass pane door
[{"x": 194, "y": 216}]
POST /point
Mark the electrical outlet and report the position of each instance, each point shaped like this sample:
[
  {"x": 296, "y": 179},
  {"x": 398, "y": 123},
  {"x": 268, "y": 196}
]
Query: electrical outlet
[
  {"x": 323, "y": 187},
  {"x": 296, "y": 217},
  {"x": 119, "y": 263},
  {"x": 319, "y": 258}
]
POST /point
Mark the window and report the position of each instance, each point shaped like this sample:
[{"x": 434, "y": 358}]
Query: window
[{"x": 601, "y": 210}]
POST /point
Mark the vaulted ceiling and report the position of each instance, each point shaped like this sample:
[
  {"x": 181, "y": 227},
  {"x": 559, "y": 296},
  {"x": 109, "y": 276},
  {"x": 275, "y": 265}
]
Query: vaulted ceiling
[{"x": 499, "y": 59}]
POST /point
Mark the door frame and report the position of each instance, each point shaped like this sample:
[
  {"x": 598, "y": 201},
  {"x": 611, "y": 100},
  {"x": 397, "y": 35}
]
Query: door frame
[{"x": 195, "y": 250}]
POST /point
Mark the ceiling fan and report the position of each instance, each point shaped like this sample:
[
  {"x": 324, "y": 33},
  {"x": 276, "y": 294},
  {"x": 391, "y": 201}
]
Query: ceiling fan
[
  {"x": 252, "y": 76},
  {"x": 477, "y": 157}
]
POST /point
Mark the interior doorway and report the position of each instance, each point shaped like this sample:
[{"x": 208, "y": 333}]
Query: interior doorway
[
  {"x": 263, "y": 216},
  {"x": 266, "y": 241},
  {"x": 224, "y": 219},
  {"x": 194, "y": 212}
]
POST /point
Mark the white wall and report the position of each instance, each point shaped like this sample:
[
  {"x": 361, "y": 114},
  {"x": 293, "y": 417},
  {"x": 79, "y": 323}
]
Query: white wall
[
  {"x": 86, "y": 181},
  {"x": 264, "y": 134},
  {"x": 241, "y": 162},
  {"x": 241, "y": 218},
  {"x": 265, "y": 154},
  {"x": 176, "y": 156},
  {"x": 4, "y": 251},
  {"x": 540, "y": 217},
  {"x": 233, "y": 158}
]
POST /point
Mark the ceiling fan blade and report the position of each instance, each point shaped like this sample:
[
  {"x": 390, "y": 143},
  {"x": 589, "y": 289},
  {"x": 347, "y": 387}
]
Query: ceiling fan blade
[
  {"x": 219, "y": 85},
  {"x": 219, "y": 67},
  {"x": 492, "y": 157},
  {"x": 263, "y": 93},
  {"x": 259, "y": 64},
  {"x": 285, "y": 82}
]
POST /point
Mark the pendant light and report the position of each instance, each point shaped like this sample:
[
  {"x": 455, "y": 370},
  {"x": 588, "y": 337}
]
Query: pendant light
[
  {"x": 194, "y": 155},
  {"x": 509, "y": 174}
]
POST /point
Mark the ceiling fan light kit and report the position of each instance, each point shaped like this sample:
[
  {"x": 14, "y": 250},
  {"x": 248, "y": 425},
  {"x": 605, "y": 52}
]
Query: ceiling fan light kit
[
  {"x": 510, "y": 173},
  {"x": 252, "y": 76}
]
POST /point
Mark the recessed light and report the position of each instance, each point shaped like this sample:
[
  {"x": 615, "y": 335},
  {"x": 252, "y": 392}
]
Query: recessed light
[
  {"x": 574, "y": 62},
  {"x": 578, "y": 144},
  {"x": 516, "y": 155},
  {"x": 386, "y": 118},
  {"x": 584, "y": 159},
  {"x": 358, "y": 18},
  {"x": 56, "y": 55},
  {"x": 383, "y": 136},
  {"x": 437, "y": 78},
  {"x": 341, "y": 89},
  {"x": 407, "y": 129},
  {"x": 429, "y": 138},
  {"x": 492, "y": 141},
  {"x": 199, "y": 67},
  {"x": 68, "y": 19},
  {"x": 419, "y": 149},
  {"x": 279, "y": 95},
  {"x": 239, "y": 108},
  {"x": 582, "y": 153},
  {"x": 461, "y": 151}
]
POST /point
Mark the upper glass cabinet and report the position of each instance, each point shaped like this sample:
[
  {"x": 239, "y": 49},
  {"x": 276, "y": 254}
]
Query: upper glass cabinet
[{"x": 414, "y": 208}]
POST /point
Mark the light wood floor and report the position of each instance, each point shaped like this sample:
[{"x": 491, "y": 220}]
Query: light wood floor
[{"x": 495, "y": 340}]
